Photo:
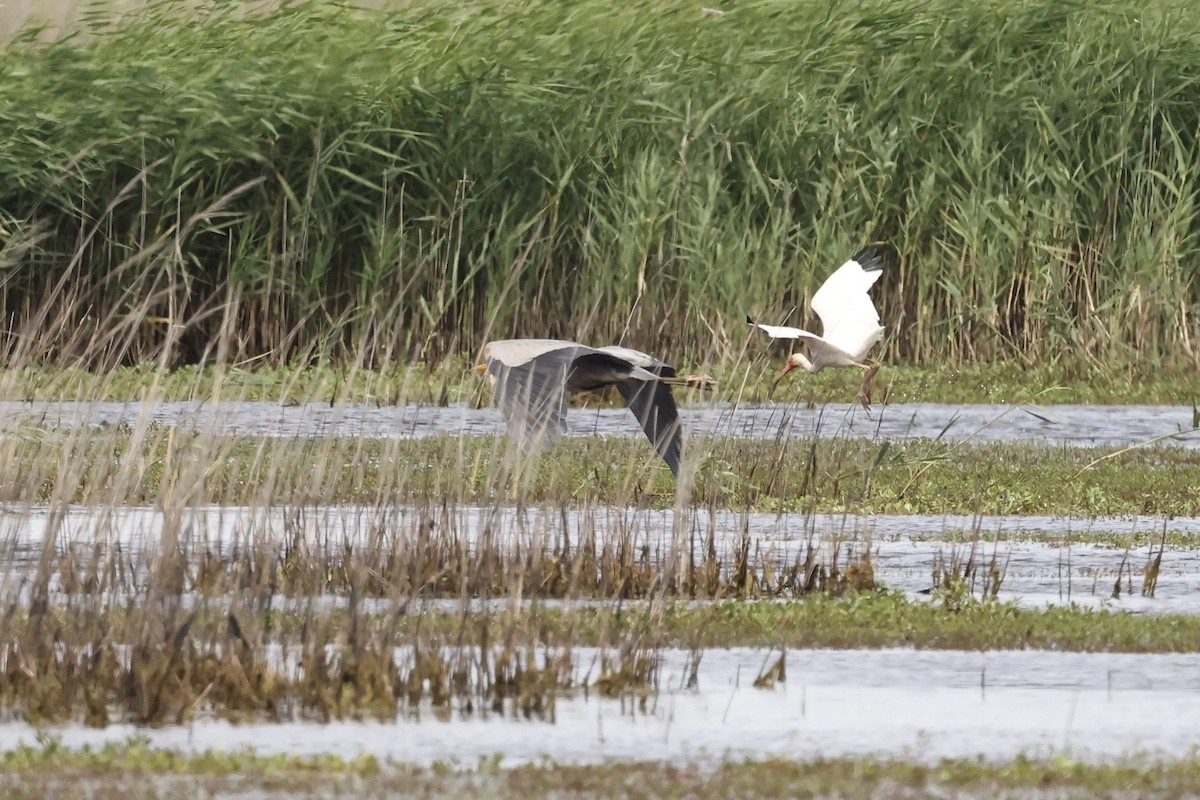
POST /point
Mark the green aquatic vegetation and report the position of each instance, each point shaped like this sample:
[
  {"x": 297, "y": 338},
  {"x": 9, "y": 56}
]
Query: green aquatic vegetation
[
  {"x": 1136, "y": 538},
  {"x": 135, "y": 754},
  {"x": 884, "y": 619},
  {"x": 452, "y": 381},
  {"x": 116, "y": 770},
  {"x": 150, "y": 464}
]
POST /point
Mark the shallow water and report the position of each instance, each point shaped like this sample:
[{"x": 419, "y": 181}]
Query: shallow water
[
  {"x": 1078, "y": 425},
  {"x": 918, "y": 705},
  {"x": 1041, "y": 558}
]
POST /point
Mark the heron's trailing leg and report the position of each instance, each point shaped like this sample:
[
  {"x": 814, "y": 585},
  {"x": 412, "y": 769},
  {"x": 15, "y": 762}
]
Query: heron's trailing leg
[
  {"x": 703, "y": 382},
  {"x": 864, "y": 391}
]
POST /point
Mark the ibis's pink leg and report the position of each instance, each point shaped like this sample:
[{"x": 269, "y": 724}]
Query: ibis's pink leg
[{"x": 864, "y": 392}]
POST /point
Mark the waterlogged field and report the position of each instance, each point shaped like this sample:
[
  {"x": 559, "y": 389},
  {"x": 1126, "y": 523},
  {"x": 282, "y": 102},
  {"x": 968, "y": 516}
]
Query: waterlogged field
[
  {"x": 397, "y": 588},
  {"x": 261, "y": 531}
]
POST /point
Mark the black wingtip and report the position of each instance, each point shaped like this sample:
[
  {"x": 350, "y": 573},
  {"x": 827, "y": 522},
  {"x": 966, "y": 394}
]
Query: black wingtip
[
  {"x": 748, "y": 319},
  {"x": 870, "y": 257}
]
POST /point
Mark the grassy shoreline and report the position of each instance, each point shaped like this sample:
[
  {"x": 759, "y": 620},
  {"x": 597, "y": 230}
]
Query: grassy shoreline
[
  {"x": 117, "y": 467},
  {"x": 952, "y": 620},
  {"x": 113, "y": 770}
]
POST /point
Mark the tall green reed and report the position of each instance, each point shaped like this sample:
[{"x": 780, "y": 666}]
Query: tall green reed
[{"x": 322, "y": 181}]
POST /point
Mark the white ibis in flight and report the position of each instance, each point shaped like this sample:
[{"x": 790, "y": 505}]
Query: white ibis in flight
[{"x": 849, "y": 320}]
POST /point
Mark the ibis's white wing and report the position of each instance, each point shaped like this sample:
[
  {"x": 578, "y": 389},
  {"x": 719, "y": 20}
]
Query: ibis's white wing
[
  {"x": 849, "y": 318},
  {"x": 783, "y": 331}
]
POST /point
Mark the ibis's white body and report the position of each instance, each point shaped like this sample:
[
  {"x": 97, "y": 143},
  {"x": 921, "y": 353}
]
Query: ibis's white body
[
  {"x": 850, "y": 324},
  {"x": 849, "y": 320}
]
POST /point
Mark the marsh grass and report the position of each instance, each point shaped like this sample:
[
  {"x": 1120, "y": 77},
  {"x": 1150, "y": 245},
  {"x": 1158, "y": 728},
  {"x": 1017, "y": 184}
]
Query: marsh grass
[
  {"x": 198, "y": 184},
  {"x": 453, "y": 381},
  {"x": 182, "y": 622},
  {"x": 297, "y": 615},
  {"x": 301, "y": 616},
  {"x": 422, "y": 555},
  {"x": 147, "y": 464},
  {"x": 150, "y": 637},
  {"x": 964, "y": 571},
  {"x": 150, "y": 667},
  {"x": 49, "y": 768},
  {"x": 160, "y": 662},
  {"x": 960, "y": 576}
]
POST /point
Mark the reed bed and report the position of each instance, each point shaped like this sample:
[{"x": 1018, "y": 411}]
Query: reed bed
[
  {"x": 183, "y": 623},
  {"x": 199, "y": 184},
  {"x": 161, "y": 663}
]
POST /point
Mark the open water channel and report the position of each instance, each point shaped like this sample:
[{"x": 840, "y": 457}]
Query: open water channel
[{"x": 1061, "y": 424}]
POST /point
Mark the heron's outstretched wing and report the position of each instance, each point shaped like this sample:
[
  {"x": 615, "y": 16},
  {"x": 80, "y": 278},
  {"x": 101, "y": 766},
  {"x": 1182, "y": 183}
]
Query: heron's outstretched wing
[
  {"x": 848, "y": 316},
  {"x": 516, "y": 352},
  {"x": 639, "y": 359},
  {"x": 782, "y": 331},
  {"x": 653, "y": 404},
  {"x": 532, "y": 397}
]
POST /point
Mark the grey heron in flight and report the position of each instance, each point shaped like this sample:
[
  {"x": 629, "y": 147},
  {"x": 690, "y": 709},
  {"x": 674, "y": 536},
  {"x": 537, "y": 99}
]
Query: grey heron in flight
[
  {"x": 849, "y": 320},
  {"x": 532, "y": 379}
]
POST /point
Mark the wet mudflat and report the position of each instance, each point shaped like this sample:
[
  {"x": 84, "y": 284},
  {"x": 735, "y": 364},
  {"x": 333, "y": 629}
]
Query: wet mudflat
[
  {"x": 916, "y": 705},
  {"x": 1078, "y": 425}
]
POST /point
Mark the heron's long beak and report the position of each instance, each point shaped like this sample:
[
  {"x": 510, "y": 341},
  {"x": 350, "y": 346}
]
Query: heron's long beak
[{"x": 480, "y": 367}]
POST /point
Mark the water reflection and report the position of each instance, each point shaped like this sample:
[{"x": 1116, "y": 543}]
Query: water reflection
[{"x": 918, "y": 705}]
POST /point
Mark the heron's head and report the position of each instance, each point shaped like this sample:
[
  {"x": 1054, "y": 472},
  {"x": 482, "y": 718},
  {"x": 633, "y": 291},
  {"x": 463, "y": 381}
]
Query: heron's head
[{"x": 485, "y": 355}]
